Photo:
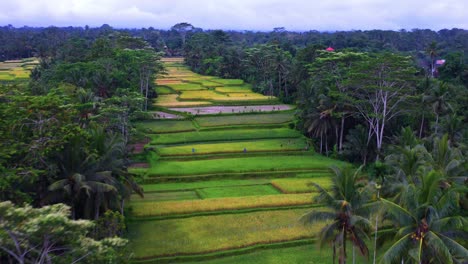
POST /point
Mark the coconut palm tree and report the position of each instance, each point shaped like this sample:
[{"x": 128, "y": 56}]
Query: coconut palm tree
[
  {"x": 80, "y": 184},
  {"x": 110, "y": 148},
  {"x": 432, "y": 50},
  {"x": 347, "y": 213},
  {"x": 438, "y": 99},
  {"x": 426, "y": 223}
]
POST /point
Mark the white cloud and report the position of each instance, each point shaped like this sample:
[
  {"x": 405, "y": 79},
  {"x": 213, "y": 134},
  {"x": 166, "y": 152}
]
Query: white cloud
[{"x": 240, "y": 14}]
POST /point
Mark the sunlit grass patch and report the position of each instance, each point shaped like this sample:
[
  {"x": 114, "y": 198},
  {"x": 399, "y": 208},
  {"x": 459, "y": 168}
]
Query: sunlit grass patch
[
  {"x": 172, "y": 59},
  {"x": 186, "y": 87},
  {"x": 218, "y": 232},
  {"x": 235, "y": 147},
  {"x": 248, "y": 96},
  {"x": 238, "y": 134},
  {"x": 166, "y": 196},
  {"x": 235, "y": 89},
  {"x": 301, "y": 185},
  {"x": 201, "y": 184},
  {"x": 210, "y": 84},
  {"x": 167, "y": 81},
  {"x": 164, "y": 126},
  {"x": 170, "y": 100},
  {"x": 210, "y": 110},
  {"x": 237, "y": 191},
  {"x": 149, "y": 209},
  {"x": 20, "y": 73},
  {"x": 228, "y": 82},
  {"x": 164, "y": 90},
  {"x": 193, "y": 79},
  {"x": 201, "y": 95},
  {"x": 254, "y": 119},
  {"x": 6, "y": 76},
  {"x": 241, "y": 165}
]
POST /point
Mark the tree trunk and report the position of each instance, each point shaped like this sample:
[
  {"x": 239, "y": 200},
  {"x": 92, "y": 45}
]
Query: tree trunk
[
  {"x": 375, "y": 235},
  {"x": 146, "y": 91},
  {"x": 326, "y": 144},
  {"x": 354, "y": 254},
  {"x": 343, "y": 248},
  {"x": 337, "y": 138},
  {"x": 340, "y": 146},
  {"x": 334, "y": 252},
  {"x": 321, "y": 140},
  {"x": 97, "y": 207},
  {"x": 421, "y": 127},
  {"x": 437, "y": 123}
]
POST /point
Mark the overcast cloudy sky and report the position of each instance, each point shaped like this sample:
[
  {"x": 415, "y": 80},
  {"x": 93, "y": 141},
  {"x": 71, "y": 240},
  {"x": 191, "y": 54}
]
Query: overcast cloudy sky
[{"x": 299, "y": 15}]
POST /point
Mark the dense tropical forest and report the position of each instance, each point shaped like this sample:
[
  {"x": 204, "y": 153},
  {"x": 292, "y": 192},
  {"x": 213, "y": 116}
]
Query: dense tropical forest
[{"x": 364, "y": 138}]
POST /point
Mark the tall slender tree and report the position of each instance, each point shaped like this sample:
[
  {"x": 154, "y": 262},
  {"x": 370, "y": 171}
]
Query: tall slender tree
[{"x": 347, "y": 213}]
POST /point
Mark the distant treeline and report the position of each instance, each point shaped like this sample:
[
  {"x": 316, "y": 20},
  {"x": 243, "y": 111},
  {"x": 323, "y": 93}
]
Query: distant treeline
[{"x": 26, "y": 41}]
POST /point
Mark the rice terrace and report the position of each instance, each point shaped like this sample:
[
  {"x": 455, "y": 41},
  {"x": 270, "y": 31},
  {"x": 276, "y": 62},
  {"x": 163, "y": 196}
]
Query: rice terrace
[
  {"x": 276, "y": 132},
  {"x": 230, "y": 176}
]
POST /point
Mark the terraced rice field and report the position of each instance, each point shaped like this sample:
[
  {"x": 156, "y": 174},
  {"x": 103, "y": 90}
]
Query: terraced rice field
[
  {"x": 218, "y": 232},
  {"x": 263, "y": 145},
  {"x": 17, "y": 70},
  {"x": 231, "y": 178}
]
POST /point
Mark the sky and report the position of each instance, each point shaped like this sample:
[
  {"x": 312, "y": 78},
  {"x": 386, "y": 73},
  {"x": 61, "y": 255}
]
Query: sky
[{"x": 262, "y": 15}]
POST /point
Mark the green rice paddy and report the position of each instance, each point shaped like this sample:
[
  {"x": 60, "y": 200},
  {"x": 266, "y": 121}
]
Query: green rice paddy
[
  {"x": 241, "y": 164},
  {"x": 231, "y": 182},
  {"x": 223, "y": 135},
  {"x": 234, "y": 147}
]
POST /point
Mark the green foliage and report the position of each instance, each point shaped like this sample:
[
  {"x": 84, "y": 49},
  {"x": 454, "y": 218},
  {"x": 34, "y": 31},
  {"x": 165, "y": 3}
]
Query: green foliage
[
  {"x": 427, "y": 223},
  {"x": 347, "y": 214},
  {"x": 47, "y": 234},
  {"x": 110, "y": 224}
]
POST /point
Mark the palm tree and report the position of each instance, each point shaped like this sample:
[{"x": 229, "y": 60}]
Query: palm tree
[
  {"x": 432, "y": 52},
  {"x": 447, "y": 160},
  {"x": 80, "y": 184},
  {"x": 110, "y": 149},
  {"x": 426, "y": 223},
  {"x": 408, "y": 162},
  {"x": 321, "y": 121},
  {"x": 358, "y": 142},
  {"x": 347, "y": 213},
  {"x": 437, "y": 98}
]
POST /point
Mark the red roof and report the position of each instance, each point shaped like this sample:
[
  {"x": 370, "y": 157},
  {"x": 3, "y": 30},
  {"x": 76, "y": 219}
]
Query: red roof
[{"x": 330, "y": 49}]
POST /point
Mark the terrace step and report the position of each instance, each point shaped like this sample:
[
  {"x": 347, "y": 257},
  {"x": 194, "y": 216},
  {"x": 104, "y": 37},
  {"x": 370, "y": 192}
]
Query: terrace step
[
  {"x": 224, "y": 253},
  {"x": 236, "y": 175},
  {"x": 223, "y": 155}
]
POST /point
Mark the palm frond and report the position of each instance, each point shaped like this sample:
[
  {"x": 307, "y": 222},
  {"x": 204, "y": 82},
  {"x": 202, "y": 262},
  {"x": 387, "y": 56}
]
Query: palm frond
[
  {"x": 458, "y": 251},
  {"x": 328, "y": 233},
  {"x": 438, "y": 248},
  {"x": 60, "y": 184},
  {"x": 398, "y": 211},
  {"x": 396, "y": 251},
  {"x": 314, "y": 217}
]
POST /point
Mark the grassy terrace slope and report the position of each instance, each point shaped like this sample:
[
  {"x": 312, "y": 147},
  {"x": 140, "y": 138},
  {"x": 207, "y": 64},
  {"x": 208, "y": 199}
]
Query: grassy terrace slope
[
  {"x": 222, "y": 135},
  {"x": 229, "y": 177},
  {"x": 16, "y": 70},
  {"x": 234, "y": 147},
  {"x": 241, "y": 164},
  {"x": 217, "y": 232}
]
